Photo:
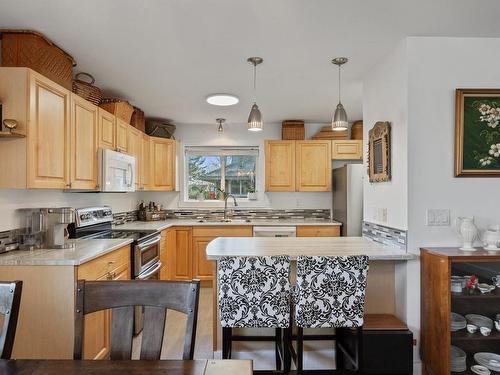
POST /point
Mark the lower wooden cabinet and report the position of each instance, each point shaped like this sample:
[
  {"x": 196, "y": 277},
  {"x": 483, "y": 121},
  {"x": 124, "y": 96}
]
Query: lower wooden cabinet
[
  {"x": 318, "y": 230},
  {"x": 203, "y": 269},
  {"x": 182, "y": 259}
]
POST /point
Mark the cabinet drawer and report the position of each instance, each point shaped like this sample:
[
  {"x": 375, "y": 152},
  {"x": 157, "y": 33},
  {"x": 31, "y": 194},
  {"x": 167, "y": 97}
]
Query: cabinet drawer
[
  {"x": 99, "y": 267},
  {"x": 347, "y": 150},
  {"x": 318, "y": 231},
  {"x": 226, "y": 231}
]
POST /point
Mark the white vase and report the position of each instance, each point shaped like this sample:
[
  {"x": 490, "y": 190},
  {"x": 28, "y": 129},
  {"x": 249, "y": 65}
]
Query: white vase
[{"x": 468, "y": 231}]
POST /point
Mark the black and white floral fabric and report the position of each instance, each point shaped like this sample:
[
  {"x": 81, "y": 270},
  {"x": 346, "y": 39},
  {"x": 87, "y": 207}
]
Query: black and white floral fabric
[
  {"x": 254, "y": 291},
  {"x": 330, "y": 291}
]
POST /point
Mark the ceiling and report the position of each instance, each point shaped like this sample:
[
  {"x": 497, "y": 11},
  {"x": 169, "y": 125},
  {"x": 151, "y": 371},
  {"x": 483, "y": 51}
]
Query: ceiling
[{"x": 166, "y": 56}]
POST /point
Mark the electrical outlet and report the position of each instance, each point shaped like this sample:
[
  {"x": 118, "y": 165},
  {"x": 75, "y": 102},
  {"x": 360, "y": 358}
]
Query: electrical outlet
[
  {"x": 438, "y": 217},
  {"x": 382, "y": 215}
]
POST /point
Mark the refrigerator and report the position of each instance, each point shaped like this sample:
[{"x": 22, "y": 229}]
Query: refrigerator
[{"x": 347, "y": 202}]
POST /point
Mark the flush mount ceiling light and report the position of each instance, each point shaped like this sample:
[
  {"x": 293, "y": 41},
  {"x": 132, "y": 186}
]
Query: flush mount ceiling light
[
  {"x": 222, "y": 99},
  {"x": 220, "y": 121},
  {"x": 255, "y": 117},
  {"x": 339, "y": 121}
]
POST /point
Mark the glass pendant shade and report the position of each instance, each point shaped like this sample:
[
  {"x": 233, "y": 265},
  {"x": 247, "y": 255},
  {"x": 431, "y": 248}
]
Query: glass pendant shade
[
  {"x": 339, "y": 121},
  {"x": 255, "y": 119}
]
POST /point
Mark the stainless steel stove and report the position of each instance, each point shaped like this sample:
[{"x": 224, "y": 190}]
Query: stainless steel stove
[{"x": 96, "y": 223}]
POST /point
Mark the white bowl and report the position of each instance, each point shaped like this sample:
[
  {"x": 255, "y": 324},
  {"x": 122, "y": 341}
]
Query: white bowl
[
  {"x": 480, "y": 370},
  {"x": 489, "y": 360}
]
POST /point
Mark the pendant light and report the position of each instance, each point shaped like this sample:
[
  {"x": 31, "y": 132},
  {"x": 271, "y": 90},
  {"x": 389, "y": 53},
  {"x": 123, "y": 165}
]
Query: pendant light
[
  {"x": 220, "y": 121},
  {"x": 255, "y": 117},
  {"x": 339, "y": 121}
]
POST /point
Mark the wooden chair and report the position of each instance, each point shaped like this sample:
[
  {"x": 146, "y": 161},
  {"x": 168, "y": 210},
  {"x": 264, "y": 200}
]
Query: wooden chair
[
  {"x": 10, "y": 300},
  {"x": 122, "y": 296}
]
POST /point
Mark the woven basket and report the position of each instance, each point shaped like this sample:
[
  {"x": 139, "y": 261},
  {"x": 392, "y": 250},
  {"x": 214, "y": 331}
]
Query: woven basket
[
  {"x": 137, "y": 120},
  {"x": 31, "y": 49},
  {"x": 160, "y": 128},
  {"x": 87, "y": 90},
  {"x": 118, "y": 107},
  {"x": 293, "y": 130}
]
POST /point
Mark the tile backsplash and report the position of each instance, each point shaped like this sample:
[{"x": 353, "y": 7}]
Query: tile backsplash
[{"x": 385, "y": 235}]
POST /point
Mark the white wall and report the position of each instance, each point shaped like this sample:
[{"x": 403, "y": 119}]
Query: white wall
[
  {"x": 11, "y": 200},
  {"x": 238, "y": 135},
  {"x": 385, "y": 99}
]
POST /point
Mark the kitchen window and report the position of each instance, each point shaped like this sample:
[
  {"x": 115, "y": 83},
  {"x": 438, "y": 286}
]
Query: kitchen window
[{"x": 208, "y": 169}]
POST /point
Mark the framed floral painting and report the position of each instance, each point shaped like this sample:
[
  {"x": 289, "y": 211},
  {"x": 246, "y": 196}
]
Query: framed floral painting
[{"x": 477, "y": 132}]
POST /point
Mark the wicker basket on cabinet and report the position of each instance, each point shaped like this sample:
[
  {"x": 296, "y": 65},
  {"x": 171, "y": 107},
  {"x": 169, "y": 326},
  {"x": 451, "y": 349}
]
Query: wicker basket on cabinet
[{"x": 118, "y": 107}]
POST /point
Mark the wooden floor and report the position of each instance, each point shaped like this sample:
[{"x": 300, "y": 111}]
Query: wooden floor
[{"x": 175, "y": 328}]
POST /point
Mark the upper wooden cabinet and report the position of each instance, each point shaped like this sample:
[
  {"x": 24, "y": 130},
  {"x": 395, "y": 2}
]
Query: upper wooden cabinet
[
  {"x": 42, "y": 109},
  {"x": 121, "y": 135},
  {"x": 298, "y": 165},
  {"x": 134, "y": 141},
  {"x": 349, "y": 149},
  {"x": 84, "y": 133},
  {"x": 280, "y": 165},
  {"x": 107, "y": 130},
  {"x": 314, "y": 165},
  {"x": 163, "y": 155}
]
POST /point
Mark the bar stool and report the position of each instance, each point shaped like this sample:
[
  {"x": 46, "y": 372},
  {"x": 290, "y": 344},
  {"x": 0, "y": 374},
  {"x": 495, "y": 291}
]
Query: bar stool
[
  {"x": 330, "y": 293},
  {"x": 254, "y": 292}
]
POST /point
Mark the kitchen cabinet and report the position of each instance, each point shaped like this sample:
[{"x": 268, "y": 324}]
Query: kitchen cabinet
[
  {"x": 318, "y": 230},
  {"x": 42, "y": 110},
  {"x": 280, "y": 165},
  {"x": 107, "y": 130},
  {"x": 121, "y": 135},
  {"x": 83, "y": 149},
  {"x": 112, "y": 266},
  {"x": 314, "y": 165},
  {"x": 146, "y": 164},
  {"x": 182, "y": 255},
  {"x": 298, "y": 165},
  {"x": 167, "y": 249},
  {"x": 134, "y": 142},
  {"x": 163, "y": 161},
  {"x": 349, "y": 149}
]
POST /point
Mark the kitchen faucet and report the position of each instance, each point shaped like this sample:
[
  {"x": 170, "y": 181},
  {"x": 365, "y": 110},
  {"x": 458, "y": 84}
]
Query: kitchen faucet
[{"x": 226, "y": 196}]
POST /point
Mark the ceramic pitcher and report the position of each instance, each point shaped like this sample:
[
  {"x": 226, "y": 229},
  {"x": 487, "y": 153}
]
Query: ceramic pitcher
[{"x": 467, "y": 230}]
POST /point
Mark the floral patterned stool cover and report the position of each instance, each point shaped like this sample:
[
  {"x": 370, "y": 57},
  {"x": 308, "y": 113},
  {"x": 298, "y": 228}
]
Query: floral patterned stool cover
[
  {"x": 254, "y": 292},
  {"x": 330, "y": 293}
]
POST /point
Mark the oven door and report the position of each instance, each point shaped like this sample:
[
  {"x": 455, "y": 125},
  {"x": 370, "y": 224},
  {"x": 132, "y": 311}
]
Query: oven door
[
  {"x": 152, "y": 273},
  {"x": 146, "y": 254}
]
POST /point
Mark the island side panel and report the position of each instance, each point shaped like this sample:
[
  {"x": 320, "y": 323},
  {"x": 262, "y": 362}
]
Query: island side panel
[{"x": 45, "y": 328}]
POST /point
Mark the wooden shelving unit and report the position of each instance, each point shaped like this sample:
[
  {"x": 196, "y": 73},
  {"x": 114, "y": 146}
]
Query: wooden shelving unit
[{"x": 437, "y": 303}]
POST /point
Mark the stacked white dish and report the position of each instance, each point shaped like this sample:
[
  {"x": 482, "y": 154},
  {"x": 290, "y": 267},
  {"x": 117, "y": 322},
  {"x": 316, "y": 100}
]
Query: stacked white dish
[
  {"x": 458, "y": 322},
  {"x": 489, "y": 360},
  {"x": 457, "y": 359},
  {"x": 479, "y": 320}
]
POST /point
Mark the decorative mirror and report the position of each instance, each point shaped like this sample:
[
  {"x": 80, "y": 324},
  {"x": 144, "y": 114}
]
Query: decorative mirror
[{"x": 379, "y": 152}]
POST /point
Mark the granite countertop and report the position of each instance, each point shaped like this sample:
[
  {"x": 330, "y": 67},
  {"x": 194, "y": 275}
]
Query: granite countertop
[
  {"x": 84, "y": 251},
  {"x": 294, "y": 246},
  {"x": 164, "y": 224}
]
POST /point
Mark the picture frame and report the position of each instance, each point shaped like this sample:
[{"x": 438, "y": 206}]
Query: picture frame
[
  {"x": 379, "y": 152},
  {"x": 477, "y": 132}
]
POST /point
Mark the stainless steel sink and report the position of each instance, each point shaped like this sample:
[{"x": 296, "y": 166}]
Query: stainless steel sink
[{"x": 224, "y": 221}]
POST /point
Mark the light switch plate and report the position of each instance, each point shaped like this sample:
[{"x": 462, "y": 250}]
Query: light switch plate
[{"x": 438, "y": 217}]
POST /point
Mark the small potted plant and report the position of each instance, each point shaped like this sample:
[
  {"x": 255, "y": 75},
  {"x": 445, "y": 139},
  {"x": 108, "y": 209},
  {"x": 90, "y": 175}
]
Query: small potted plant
[{"x": 251, "y": 194}]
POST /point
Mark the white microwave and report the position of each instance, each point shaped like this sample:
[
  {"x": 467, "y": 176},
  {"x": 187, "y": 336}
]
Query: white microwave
[{"x": 116, "y": 171}]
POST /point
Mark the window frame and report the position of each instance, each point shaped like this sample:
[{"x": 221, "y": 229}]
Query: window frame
[{"x": 221, "y": 151}]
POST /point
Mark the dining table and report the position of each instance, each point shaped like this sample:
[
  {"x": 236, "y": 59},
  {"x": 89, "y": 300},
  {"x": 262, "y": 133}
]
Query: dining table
[{"x": 132, "y": 367}]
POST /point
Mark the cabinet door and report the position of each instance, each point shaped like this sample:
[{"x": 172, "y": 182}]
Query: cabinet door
[
  {"x": 48, "y": 135},
  {"x": 146, "y": 162},
  {"x": 167, "y": 254},
  {"x": 163, "y": 164},
  {"x": 280, "y": 165},
  {"x": 83, "y": 143},
  {"x": 182, "y": 255},
  {"x": 107, "y": 130},
  {"x": 347, "y": 150},
  {"x": 314, "y": 165},
  {"x": 121, "y": 135},
  {"x": 318, "y": 231},
  {"x": 203, "y": 269},
  {"x": 135, "y": 149}
]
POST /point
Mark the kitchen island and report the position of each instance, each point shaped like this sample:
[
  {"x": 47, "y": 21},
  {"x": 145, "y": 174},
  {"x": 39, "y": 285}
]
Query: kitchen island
[{"x": 381, "y": 287}]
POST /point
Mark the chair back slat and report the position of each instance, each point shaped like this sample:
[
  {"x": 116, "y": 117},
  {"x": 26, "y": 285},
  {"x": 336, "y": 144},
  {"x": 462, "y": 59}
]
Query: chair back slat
[
  {"x": 10, "y": 300},
  {"x": 122, "y": 332},
  {"x": 122, "y": 296},
  {"x": 152, "y": 334}
]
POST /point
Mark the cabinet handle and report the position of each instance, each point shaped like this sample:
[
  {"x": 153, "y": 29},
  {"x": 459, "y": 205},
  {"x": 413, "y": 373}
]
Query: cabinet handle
[
  {"x": 109, "y": 276},
  {"x": 68, "y": 185}
]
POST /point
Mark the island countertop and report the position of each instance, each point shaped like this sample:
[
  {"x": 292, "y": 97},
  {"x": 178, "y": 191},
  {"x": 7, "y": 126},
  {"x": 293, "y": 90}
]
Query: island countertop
[{"x": 295, "y": 246}]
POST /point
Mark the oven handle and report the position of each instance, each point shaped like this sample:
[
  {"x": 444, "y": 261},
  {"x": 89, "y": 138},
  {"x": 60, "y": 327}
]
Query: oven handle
[
  {"x": 153, "y": 271},
  {"x": 149, "y": 243}
]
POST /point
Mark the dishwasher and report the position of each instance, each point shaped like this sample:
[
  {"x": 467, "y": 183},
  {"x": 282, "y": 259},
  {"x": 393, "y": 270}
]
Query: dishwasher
[{"x": 276, "y": 231}]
